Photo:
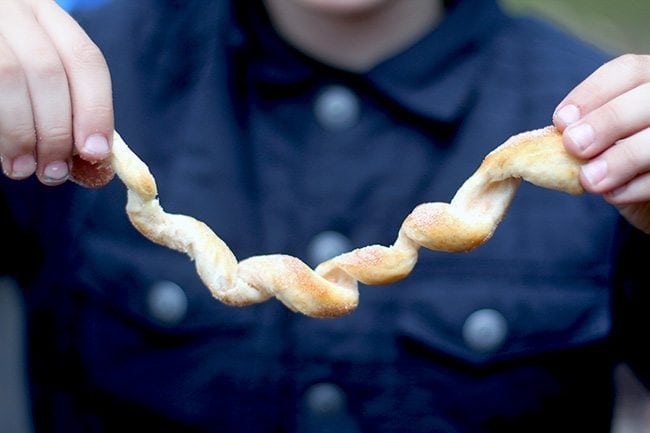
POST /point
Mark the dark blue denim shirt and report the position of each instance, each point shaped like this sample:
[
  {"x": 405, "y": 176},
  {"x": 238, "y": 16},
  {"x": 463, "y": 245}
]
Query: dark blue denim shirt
[{"x": 519, "y": 335}]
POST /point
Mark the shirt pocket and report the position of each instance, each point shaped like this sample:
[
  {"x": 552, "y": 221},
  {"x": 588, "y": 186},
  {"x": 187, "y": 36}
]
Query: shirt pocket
[
  {"x": 481, "y": 313},
  {"x": 149, "y": 285}
]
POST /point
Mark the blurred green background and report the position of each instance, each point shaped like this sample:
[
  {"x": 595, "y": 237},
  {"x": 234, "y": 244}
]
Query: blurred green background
[{"x": 616, "y": 26}]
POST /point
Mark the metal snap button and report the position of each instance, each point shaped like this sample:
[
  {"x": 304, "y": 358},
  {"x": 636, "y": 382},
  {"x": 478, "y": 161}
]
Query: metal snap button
[
  {"x": 167, "y": 302},
  {"x": 485, "y": 330},
  {"x": 337, "y": 108},
  {"x": 326, "y": 245},
  {"x": 325, "y": 399}
]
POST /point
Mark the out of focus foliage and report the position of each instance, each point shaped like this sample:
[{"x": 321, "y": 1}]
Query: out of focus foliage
[{"x": 617, "y": 26}]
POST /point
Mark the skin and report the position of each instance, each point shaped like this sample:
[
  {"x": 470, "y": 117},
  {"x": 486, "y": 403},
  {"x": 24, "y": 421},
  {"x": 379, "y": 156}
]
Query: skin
[
  {"x": 606, "y": 121},
  {"x": 56, "y": 90}
]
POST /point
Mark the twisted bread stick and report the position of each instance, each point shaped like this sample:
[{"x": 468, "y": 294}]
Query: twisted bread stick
[{"x": 331, "y": 289}]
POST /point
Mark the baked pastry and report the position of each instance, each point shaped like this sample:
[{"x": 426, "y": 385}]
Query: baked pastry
[{"x": 331, "y": 289}]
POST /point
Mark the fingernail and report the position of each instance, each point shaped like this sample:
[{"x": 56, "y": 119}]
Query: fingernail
[
  {"x": 23, "y": 166},
  {"x": 568, "y": 114},
  {"x": 55, "y": 171},
  {"x": 595, "y": 171},
  {"x": 96, "y": 145},
  {"x": 581, "y": 135}
]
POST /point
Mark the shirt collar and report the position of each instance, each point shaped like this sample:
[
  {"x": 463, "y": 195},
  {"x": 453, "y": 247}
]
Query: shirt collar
[{"x": 435, "y": 78}]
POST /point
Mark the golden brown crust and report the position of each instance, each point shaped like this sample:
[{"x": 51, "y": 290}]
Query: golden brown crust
[
  {"x": 331, "y": 290},
  {"x": 90, "y": 174}
]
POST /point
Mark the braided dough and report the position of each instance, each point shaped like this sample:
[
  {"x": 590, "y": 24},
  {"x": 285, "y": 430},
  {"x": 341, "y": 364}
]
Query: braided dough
[{"x": 330, "y": 289}]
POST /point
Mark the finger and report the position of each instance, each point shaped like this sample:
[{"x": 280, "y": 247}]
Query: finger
[
  {"x": 48, "y": 89},
  {"x": 618, "y": 165},
  {"x": 609, "y": 81},
  {"x": 89, "y": 81},
  {"x": 635, "y": 191},
  {"x": 621, "y": 117},
  {"x": 17, "y": 135}
]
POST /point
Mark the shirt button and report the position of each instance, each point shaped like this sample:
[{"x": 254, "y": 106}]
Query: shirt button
[
  {"x": 485, "y": 330},
  {"x": 325, "y": 399},
  {"x": 336, "y": 108},
  {"x": 167, "y": 302},
  {"x": 326, "y": 245}
]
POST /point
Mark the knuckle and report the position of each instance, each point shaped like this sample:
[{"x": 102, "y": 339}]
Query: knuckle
[
  {"x": 10, "y": 72},
  {"x": 637, "y": 64},
  {"x": 645, "y": 89},
  {"x": 18, "y": 139},
  {"x": 628, "y": 160},
  {"x": 98, "y": 111},
  {"x": 628, "y": 155},
  {"x": 87, "y": 55},
  {"x": 48, "y": 67},
  {"x": 57, "y": 135},
  {"x": 630, "y": 60},
  {"x": 610, "y": 114}
]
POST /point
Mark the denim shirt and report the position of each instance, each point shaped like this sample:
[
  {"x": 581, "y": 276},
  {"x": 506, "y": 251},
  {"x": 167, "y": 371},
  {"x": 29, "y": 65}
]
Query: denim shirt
[{"x": 279, "y": 153}]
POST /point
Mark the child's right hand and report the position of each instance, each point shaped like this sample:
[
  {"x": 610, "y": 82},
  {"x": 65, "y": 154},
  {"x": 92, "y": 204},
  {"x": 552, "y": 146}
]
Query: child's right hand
[{"x": 55, "y": 92}]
